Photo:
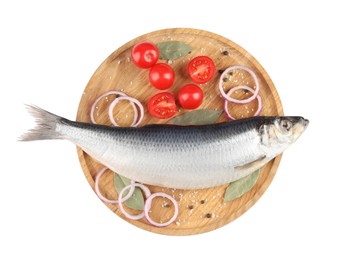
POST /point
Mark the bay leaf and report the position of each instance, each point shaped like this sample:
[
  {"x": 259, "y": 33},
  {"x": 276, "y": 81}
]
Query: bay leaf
[
  {"x": 196, "y": 117},
  {"x": 173, "y": 50},
  {"x": 237, "y": 188},
  {"x": 136, "y": 201}
]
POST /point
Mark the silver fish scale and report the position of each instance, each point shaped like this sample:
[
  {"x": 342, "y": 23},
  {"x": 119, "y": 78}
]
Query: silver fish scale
[{"x": 180, "y": 157}]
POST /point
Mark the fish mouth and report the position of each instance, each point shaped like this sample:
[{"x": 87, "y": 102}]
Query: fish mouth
[
  {"x": 298, "y": 120},
  {"x": 300, "y": 126},
  {"x": 305, "y": 122}
]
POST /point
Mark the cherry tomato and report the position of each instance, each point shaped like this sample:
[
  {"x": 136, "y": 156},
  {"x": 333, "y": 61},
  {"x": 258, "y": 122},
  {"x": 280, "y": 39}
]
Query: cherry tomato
[
  {"x": 145, "y": 55},
  {"x": 162, "y": 105},
  {"x": 201, "y": 69},
  {"x": 190, "y": 96},
  {"x": 161, "y": 76}
]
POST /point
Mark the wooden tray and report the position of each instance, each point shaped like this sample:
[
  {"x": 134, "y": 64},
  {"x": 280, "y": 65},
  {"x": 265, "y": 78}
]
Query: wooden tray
[{"x": 200, "y": 210}]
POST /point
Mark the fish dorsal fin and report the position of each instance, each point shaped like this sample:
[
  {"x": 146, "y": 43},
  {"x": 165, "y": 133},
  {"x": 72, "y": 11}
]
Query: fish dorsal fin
[
  {"x": 253, "y": 165},
  {"x": 152, "y": 125},
  {"x": 169, "y": 126},
  {"x": 158, "y": 126}
]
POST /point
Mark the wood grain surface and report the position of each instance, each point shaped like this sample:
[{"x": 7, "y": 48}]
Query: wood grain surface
[{"x": 199, "y": 210}]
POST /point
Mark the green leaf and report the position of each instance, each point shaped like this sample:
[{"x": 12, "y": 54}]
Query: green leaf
[
  {"x": 173, "y": 50},
  {"x": 237, "y": 188},
  {"x": 196, "y": 117},
  {"x": 136, "y": 201}
]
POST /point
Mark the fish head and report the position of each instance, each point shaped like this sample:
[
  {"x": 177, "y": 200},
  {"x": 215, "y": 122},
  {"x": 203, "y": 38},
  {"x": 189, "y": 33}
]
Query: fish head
[{"x": 278, "y": 133}]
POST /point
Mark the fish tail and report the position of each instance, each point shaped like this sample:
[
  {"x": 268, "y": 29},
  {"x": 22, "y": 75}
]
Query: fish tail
[{"x": 46, "y": 125}]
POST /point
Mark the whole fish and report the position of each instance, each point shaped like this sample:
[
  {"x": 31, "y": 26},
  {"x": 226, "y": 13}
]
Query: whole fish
[{"x": 182, "y": 157}]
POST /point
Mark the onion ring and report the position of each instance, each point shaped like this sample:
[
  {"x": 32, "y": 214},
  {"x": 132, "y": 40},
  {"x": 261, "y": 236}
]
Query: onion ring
[
  {"x": 103, "y": 198},
  {"x": 120, "y": 202},
  {"x": 148, "y": 206},
  {"x": 237, "y": 88},
  {"x": 238, "y": 101},
  {"x": 112, "y": 92},
  {"x": 134, "y": 102}
]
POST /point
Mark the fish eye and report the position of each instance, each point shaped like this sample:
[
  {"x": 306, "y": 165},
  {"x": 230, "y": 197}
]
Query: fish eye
[{"x": 285, "y": 124}]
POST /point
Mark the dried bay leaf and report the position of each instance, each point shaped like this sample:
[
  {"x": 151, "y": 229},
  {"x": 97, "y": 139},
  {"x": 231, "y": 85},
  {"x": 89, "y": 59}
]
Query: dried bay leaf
[
  {"x": 196, "y": 117},
  {"x": 237, "y": 188},
  {"x": 173, "y": 50},
  {"x": 136, "y": 201}
]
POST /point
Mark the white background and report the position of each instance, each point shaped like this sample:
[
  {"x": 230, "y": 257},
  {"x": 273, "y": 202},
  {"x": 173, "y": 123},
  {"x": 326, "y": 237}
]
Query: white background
[{"x": 49, "y": 50}]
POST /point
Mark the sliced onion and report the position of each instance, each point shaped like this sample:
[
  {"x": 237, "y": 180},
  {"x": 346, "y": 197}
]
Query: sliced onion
[
  {"x": 148, "y": 206},
  {"x": 133, "y": 101},
  {"x": 120, "y": 201},
  {"x": 237, "y": 88},
  {"x": 103, "y": 198},
  {"x": 234, "y": 100},
  {"x": 112, "y": 92}
]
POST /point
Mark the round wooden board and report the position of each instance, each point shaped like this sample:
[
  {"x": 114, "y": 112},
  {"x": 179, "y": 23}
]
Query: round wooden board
[{"x": 199, "y": 210}]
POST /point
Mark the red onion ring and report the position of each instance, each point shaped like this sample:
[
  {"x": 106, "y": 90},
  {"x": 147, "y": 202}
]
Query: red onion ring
[
  {"x": 103, "y": 198},
  {"x": 120, "y": 201},
  {"x": 112, "y": 92},
  {"x": 148, "y": 206},
  {"x": 238, "y": 101},
  {"x": 237, "y": 88},
  {"x": 133, "y": 101}
]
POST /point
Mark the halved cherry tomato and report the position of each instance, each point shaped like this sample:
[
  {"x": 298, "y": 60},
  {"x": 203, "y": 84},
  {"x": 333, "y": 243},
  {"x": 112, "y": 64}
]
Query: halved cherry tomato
[
  {"x": 201, "y": 69},
  {"x": 190, "y": 96},
  {"x": 145, "y": 54},
  {"x": 162, "y": 105},
  {"x": 161, "y": 76}
]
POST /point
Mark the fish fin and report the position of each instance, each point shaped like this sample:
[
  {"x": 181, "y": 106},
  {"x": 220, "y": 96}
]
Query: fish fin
[
  {"x": 46, "y": 125},
  {"x": 254, "y": 165},
  {"x": 158, "y": 126}
]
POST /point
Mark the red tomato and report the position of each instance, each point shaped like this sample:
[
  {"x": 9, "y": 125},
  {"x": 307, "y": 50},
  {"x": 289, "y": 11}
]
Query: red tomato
[
  {"x": 161, "y": 76},
  {"x": 162, "y": 105},
  {"x": 145, "y": 54},
  {"x": 190, "y": 96},
  {"x": 201, "y": 69}
]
